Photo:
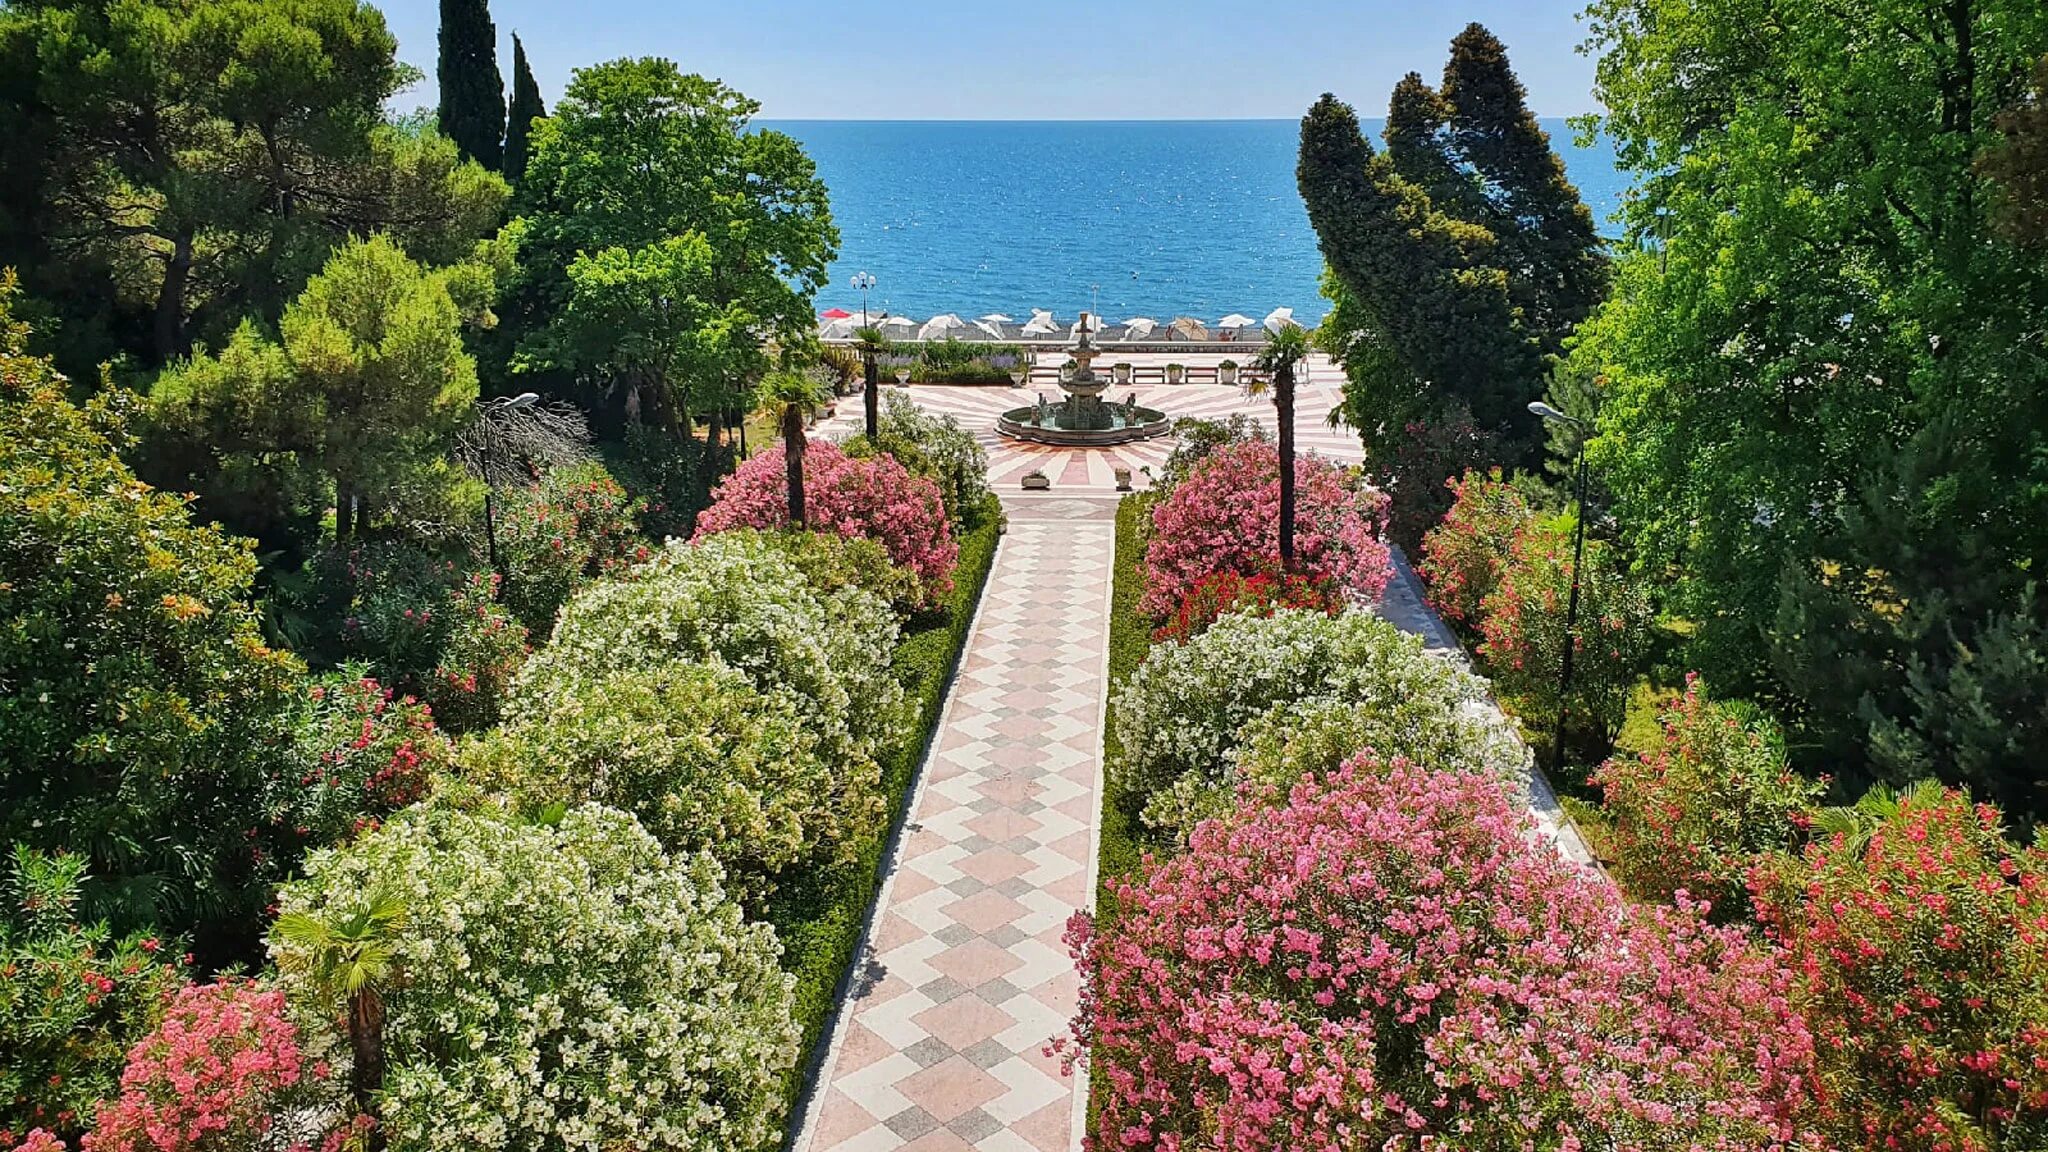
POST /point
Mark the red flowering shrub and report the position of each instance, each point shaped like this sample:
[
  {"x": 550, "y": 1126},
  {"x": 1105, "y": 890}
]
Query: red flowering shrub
[
  {"x": 1918, "y": 940},
  {"x": 1260, "y": 594},
  {"x": 364, "y": 752},
  {"x": 1463, "y": 556},
  {"x": 1420, "y": 473},
  {"x": 1523, "y": 622},
  {"x": 482, "y": 648},
  {"x": 1225, "y": 517},
  {"x": 1695, "y": 813},
  {"x": 572, "y": 525},
  {"x": 217, "y": 1073},
  {"x": 40, "y": 1140},
  {"x": 875, "y": 498},
  {"x": 1392, "y": 962}
]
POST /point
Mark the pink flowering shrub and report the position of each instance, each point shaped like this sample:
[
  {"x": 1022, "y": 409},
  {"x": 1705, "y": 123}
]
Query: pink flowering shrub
[
  {"x": 1919, "y": 935},
  {"x": 1696, "y": 811},
  {"x": 482, "y": 648},
  {"x": 364, "y": 752},
  {"x": 570, "y": 526},
  {"x": 1391, "y": 961},
  {"x": 1225, "y": 517},
  {"x": 875, "y": 498},
  {"x": 217, "y": 1073},
  {"x": 1463, "y": 556}
]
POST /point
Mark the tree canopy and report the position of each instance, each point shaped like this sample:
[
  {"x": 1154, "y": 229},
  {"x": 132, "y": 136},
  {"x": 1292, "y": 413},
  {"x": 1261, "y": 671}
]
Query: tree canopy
[
  {"x": 472, "y": 109},
  {"x": 526, "y": 107}
]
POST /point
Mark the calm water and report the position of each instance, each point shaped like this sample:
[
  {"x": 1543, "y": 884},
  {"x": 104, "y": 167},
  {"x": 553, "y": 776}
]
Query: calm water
[{"x": 1159, "y": 218}]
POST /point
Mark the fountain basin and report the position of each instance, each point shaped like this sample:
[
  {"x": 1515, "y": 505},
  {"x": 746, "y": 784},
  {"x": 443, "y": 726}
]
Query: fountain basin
[{"x": 1121, "y": 427}]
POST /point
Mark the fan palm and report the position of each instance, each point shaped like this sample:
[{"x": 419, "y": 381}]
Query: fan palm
[
  {"x": 872, "y": 344},
  {"x": 1856, "y": 822},
  {"x": 790, "y": 396},
  {"x": 351, "y": 959},
  {"x": 1276, "y": 363}
]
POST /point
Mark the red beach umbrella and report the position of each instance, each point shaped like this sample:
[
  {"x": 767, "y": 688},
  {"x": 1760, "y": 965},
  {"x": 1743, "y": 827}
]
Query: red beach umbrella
[{"x": 835, "y": 314}]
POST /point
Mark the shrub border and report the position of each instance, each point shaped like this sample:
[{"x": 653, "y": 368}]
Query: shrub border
[{"x": 819, "y": 950}]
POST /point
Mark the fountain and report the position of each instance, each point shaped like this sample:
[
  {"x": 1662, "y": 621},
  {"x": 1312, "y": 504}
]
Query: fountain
[{"x": 1083, "y": 419}]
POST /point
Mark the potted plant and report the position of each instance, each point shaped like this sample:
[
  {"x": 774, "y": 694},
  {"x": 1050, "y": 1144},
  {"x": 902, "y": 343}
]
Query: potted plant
[
  {"x": 1036, "y": 481},
  {"x": 1067, "y": 370},
  {"x": 1123, "y": 479},
  {"x": 1226, "y": 372},
  {"x": 1176, "y": 373},
  {"x": 1122, "y": 371}
]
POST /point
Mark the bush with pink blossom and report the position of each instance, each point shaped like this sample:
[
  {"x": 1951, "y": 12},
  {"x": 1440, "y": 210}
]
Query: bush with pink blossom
[
  {"x": 1225, "y": 517},
  {"x": 875, "y": 498},
  {"x": 1393, "y": 961},
  {"x": 225, "y": 1069},
  {"x": 1463, "y": 555}
]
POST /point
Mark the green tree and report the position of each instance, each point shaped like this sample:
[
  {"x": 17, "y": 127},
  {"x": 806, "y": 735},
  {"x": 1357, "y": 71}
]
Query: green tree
[
  {"x": 1824, "y": 407},
  {"x": 526, "y": 107},
  {"x": 660, "y": 165},
  {"x": 472, "y": 110},
  {"x": 1277, "y": 359},
  {"x": 790, "y": 396},
  {"x": 138, "y": 702},
  {"x": 872, "y": 345},
  {"x": 2019, "y": 163},
  {"x": 350, "y": 959}
]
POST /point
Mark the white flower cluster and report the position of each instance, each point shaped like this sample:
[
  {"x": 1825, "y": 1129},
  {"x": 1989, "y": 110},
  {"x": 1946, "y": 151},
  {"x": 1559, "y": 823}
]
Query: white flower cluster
[
  {"x": 559, "y": 987},
  {"x": 1274, "y": 698}
]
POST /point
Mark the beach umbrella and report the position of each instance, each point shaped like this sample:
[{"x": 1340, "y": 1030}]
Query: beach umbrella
[
  {"x": 1041, "y": 323},
  {"x": 835, "y": 314},
  {"x": 895, "y": 322},
  {"x": 1236, "y": 320},
  {"x": 838, "y": 329},
  {"x": 1188, "y": 328},
  {"x": 1280, "y": 318},
  {"x": 1139, "y": 327},
  {"x": 997, "y": 318},
  {"x": 987, "y": 326},
  {"x": 939, "y": 325}
]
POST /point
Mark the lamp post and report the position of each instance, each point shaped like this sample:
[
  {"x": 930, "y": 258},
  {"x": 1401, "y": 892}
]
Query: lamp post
[
  {"x": 863, "y": 282},
  {"x": 493, "y": 408},
  {"x": 1571, "y": 612},
  {"x": 870, "y": 397}
]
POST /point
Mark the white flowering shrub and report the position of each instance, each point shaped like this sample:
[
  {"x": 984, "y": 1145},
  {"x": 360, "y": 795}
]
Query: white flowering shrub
[
  {"x": 704, "y": 760},
  {"x": 938, "y": 446},
  {"x": 737, "y": 599},
  {"x": 557, "y": 987},
  {"x": 1290, "y": 694}
]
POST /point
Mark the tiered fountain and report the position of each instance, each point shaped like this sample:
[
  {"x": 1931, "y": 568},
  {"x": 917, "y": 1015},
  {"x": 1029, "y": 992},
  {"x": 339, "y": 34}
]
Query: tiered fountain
[{"x": 1083, "y": 419}]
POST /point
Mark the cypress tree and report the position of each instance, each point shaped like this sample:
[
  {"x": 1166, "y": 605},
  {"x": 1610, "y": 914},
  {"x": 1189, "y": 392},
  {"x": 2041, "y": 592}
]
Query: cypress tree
[
  {"x": 526, "y": 108},
  {"x": 472, "y": 111},
  {"x": 1547, "y": 238},
  {"x": 1417, "y": 144}
]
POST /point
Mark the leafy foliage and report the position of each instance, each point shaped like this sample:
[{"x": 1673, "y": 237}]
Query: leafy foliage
[
  {"x": 572, "y": 945},
  {"x": 935, "y": 446},
  {"x": 524, "y": 108},
  {"x": 363, "y": 752},
  {"x": 570, "y": 526},
  {"x": 1419, "y": 471},
  {"x": 1464, "y": 555}
]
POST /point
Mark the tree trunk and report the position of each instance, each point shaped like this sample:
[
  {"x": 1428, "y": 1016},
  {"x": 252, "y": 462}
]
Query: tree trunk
[
  {"x": 1283, "y": 400},
  {"x": 344, "y": 510},
  {"x": 871, "y": 399},
  {"x": 793, "y": 459},
  {"x": 366, "y": 1045},
  {"x": 714, "y": 434},
  {"x": 170, "y": 300}
]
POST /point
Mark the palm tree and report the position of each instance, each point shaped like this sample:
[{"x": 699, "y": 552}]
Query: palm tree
[
  {"x": 1276, "y": 363},
  {"x": 871, "y": 343},
  {"x": 790, "y": 396},
  {"x": 351, "y": 959},
  {"x": 1857, "y": 822}
]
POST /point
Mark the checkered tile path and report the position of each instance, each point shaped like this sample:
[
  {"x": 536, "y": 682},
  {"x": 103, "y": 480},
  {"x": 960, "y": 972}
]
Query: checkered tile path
[
  {"x": 963, "y": 978},
  {"x": 1093, "y": 469}
]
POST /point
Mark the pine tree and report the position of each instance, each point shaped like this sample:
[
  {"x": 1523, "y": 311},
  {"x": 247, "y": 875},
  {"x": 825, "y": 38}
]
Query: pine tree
[
  {"x": 1417, "y": 143},
  {"x": 472, "y": 109},
  {"x": 526, "y": 108},
  {"x": 1547, "y": 239}
]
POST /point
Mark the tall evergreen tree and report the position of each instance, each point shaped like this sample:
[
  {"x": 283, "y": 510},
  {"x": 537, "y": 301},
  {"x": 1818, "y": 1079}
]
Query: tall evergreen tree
[
  {"x": 1417, "y": 136},
  {"x": 1548, "y": 244},
  {"x": 472, "y": 89},
  {"x": 526, "y": 108}
]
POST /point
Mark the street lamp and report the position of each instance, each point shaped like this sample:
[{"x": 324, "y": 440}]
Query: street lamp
[
  {"x": 1571, "y": 612},
  {"x": 492, "y": 408},
  {"x": 862, "y": 283}
]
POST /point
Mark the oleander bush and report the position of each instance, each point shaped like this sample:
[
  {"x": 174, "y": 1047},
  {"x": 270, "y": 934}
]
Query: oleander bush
[
  {"x": 1194, "y": 438},
  {"x": 735, "y": 598},
  {"x": 1420, "y": 474},
  {"x": 1394, "y": 960},
  {"x": 1181, "y": 714},
  {"x": 139, "y": 704},
  {"x": 702, "y": 759},
  {"x": 1225, "y": 517},
  {"x": 1917, "y": 933},
  {"x": 555, "y": 985},
  {"x": 1465, "y": 553},
  {"x": 933, "y": 445},
  {"x": 874, "y": 498},
  {"x": 1694, "y": 812},
  {"x": 1260, "y": 594},
  {"x": 831, "y": 562},
  {"x": 362, "y": 753},
  {"x": 1523, "y": 622},
  {"x": 74, "y": 997},
  {"x": 571, "y": 526},
  {"x": 225, "y": 1068}
]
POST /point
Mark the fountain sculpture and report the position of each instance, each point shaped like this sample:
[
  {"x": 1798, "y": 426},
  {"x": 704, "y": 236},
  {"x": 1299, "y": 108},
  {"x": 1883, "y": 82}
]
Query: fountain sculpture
[{"x": 1083, "y": 419}]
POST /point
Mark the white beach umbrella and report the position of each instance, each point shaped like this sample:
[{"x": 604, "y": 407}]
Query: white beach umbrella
[
  {"x": 895, "y": 322},
  {"x": 1188, "y": 328},
  {"x": 1280, "y": 318},
  {"x": 1041, "y": 323},
  {"x": 939, "y": 325},
  {"x": 989, "y": 327},
  {"x": 997, "y": 318},
  {"x": 1139, "y": 327},
  {"x": 1236, "y": 320},
  {"x": 835, "y": 330}
]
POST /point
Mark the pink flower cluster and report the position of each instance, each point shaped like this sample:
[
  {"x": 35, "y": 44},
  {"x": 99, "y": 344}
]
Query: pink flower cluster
[
  {"x": 1226, "y": 517},
  {"x": 208, "y": 1077},
  {"x": 874, "y": 498},
  {"x": 1393, "y": 961}
]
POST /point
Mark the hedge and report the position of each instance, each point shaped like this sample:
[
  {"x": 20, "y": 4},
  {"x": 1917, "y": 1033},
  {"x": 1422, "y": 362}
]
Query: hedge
[{"x": 820, "y": 916}]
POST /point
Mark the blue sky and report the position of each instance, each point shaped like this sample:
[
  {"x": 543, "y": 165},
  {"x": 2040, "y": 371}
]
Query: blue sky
[{"x": 1054, "y": 59}]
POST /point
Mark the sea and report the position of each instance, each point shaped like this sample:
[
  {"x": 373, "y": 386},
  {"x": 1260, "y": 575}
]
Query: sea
[{"x": 1124, "y": 218}]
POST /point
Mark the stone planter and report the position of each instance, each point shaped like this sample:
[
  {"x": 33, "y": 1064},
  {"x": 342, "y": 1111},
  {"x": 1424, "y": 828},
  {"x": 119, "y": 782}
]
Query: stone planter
[
  {"x": 1123, "y": 479},
  {"x": 1226, "y": 372},
  {"x": 1176, "y": 373},
  {"x": 1122, "y": 371},
  {"x": 1037, "y": 482}
]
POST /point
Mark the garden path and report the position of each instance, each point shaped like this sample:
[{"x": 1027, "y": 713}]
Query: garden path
[{"x": 963, "y": 978}]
